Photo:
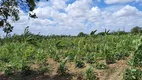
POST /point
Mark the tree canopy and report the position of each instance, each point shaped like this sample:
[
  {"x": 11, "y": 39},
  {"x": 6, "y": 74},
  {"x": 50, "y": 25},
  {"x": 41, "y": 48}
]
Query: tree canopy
[
  {"x": 9, "y": 9},
  {"x": 136, "y": 30}
]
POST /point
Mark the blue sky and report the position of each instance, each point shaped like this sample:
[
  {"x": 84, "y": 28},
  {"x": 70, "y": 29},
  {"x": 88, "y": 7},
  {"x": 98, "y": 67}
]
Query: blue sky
[{"x": 73, "y": 16}]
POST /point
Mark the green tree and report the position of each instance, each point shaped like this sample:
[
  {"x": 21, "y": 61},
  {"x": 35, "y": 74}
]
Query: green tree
[
  {"x": 136, "y": 30},
  {"x": 9, "y": 9},
  {"x": 81, "y": 34}
]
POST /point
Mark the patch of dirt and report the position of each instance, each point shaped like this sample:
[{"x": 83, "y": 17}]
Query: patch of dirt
[
  {"x": 54, "y": 66},
  {"x": 115, "y": 71}
]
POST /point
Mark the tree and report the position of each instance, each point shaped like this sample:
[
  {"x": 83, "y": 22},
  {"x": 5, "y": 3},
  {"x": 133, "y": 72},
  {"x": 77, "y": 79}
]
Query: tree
[
  {"x": 136, "y": 30},
  {"x": 81, "y": 34},
  {"x": 9, "y": 9}
]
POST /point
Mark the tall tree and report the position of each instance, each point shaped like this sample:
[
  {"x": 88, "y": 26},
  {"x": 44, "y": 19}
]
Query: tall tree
[{"x": 9, "y": 9}]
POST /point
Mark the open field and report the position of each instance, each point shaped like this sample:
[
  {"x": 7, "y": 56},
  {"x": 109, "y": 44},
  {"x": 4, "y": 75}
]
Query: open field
[{"x": 107, "y": 57}]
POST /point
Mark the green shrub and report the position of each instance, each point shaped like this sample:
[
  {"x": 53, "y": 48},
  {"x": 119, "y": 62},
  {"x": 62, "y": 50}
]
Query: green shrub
[
  {"x": 90, "y": 58},
  {"x": 90, "y": 74},
  {"x": 110, "y": 58},
  {"x": 79, "y": 64}
]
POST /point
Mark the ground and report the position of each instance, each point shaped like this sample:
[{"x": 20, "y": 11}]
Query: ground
[{"x": 114, "y": 72}]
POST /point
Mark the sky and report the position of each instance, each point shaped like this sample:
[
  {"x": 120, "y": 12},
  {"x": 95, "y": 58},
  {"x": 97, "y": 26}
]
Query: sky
[{"x": 69, "y": 17}]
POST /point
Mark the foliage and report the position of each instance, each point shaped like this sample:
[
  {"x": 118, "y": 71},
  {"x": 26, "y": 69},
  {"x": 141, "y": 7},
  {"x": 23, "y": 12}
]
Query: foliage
[
  {"x": 62, "y": 68},
  {"x": 79, "y": 64},
  {"x": 9, "y": 9},
  {"x": 101, "y": 66},
  {"x": 137, "y": 55},
  {"x": 81, "y": 34},
  {"x": 90, "y": 74},
  {"x": 93, "y": 32},
  {"x": 132, "y": 74},
  {"x": 19, "y": 52},
  {"x": 136, "y": 30}
]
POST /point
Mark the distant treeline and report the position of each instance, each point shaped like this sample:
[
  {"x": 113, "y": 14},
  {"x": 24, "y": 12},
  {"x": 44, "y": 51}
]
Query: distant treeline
[{"x": 135, "y": 30}]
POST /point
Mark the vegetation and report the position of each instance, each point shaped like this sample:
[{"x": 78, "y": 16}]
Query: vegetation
[
  {"x": 133, "y": 74},
  {"x": 9, "y": 9},
  {"x": 21, "y": 53},
  {"x": 136, "y": 30},
  {"x": 90, "y": 74}
]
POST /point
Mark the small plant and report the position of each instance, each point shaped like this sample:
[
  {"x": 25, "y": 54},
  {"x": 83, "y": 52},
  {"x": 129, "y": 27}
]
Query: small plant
[
  {"x": 41, "y": 56},
  {"x": 79, "y": 64},
  {"x": 8, "y": 70},
  {"x": 62, "y": 68},
  {"x": 44, "y": 69},
  {"x": 132, "y": 74},
  {"x": 101, "y": 66},
  {"x": 90, "y": 74},
  {"x": 109, "y": 55},
  {"x": 119, "y": 56},
  {"x": 90, "y": 58},
  {"x": 137, "y": 59},
  {"x": 56, "y": 57},
  {"x": 71, "y": 55},
  {"x": 109, "y": 58},
  {"x": 137, "y": 56}
]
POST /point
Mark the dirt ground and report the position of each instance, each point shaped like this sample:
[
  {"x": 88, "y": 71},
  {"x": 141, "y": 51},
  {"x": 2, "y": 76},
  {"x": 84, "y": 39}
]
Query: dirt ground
[{"x": 114, "y": 72}]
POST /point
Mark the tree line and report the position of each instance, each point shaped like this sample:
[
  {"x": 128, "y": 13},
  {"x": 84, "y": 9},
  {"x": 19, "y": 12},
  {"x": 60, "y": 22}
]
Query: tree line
[{"x": 134, "y": 30}]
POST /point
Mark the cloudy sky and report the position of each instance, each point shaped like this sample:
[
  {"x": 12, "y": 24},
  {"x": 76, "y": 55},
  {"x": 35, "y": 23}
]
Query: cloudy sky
[{"x": 73, "y": 16}]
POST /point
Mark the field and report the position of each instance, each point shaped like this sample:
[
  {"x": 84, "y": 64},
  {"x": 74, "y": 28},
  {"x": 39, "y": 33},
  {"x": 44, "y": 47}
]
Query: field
[{"x": 97, "y": 57}]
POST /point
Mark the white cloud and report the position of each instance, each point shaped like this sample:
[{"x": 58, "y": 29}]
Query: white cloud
[
  {"x": 127, "y": 11},
  {"x": 78, "y": 16},
  {"x": 78, "y": 8},
  {"x": 117, "y": 1},
  {"x": 121, "y": 1},
  {"x": 58, "y": 4},
  {"x": 94, "y": 14}
]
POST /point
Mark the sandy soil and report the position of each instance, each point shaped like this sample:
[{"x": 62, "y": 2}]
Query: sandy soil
[{"x": 114, "y": 72}]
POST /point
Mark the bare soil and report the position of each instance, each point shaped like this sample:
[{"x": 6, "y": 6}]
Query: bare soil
[{"x": 114, "y": 72}]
